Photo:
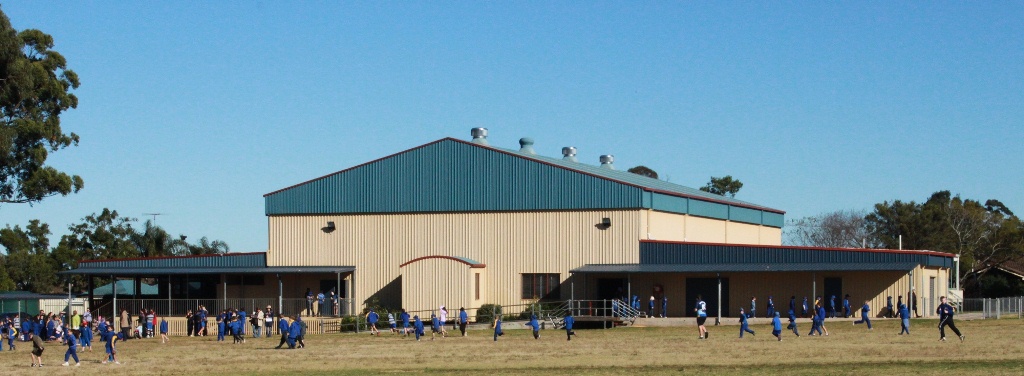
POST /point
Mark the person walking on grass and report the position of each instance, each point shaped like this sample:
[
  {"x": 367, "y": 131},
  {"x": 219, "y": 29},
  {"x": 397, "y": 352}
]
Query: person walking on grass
[
  {"x": 568, "y": 321},
  {"x": 946, "y": 312},
  {"x": 821, "y": 318},
  {"x": 163, "y": 331},
  {"x": 864, "y": 315},
  {"x": 792, "y": 323},
  {"x": 404, "y": 317},
  {"x": 37, "y": 349},
  {"x": 497, "y": 327},
  {"x": 293, "y": 332},
  {"x": 436, "y": 327},
  {"x": 776, "y": 327},
  {"x": 417, "y": 327},
  {"x": 702, "y": 316},
  {"x": 284, "y": 329},
  {"x": 394, "y": 324},
  {"x": 301, "y": 339},
  {"x": 815, "y": 323},
  {"x": 72, "y": 349},
  {"x": 904, "y": 319},
  {"x": 533, "y": 324},
  {"x": 110, "y": 340},
  {"x": 463, "y": 320},
  {"x": 371, "y": 320},
  {"x": 743, "y": 324}
]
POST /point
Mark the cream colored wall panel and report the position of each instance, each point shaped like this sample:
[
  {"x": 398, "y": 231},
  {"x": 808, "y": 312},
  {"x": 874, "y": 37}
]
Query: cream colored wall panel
[
  {"x": 705, "y": 230},
  {"x": 666, "y": 226},
  {"x": 742, "y": 233},
  {"x": 509, "y": 243},
  {"x": 427, "y": 284},
  {"x": 770, "y": 235}
]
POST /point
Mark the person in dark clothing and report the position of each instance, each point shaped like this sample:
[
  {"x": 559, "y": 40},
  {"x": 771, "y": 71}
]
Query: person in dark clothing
[
  {"x": 771, "y": 307},
  {"x": 282, "y": 327},
  {"x": 744, "y": 327},
  {"x": 904, "y": 319},
  {"x": 946, "y": 312},
  {"x": 463, "y": 320},
  {"x": 497, "y": 328},
  {"x": 913, "y": 302},
  {"x": 568, "y": 326},
  {"x": 832, "y": 307},
  {"x": 846, "y": 306},
  {"x": 889, "y": 312}
]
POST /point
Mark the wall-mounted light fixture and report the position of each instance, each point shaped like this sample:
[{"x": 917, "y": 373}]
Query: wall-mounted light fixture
[
  {"x": 329, "y": 228},
  {"x": 606, "y": 222}
]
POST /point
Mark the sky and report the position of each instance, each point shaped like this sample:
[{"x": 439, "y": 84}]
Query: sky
[{"x": 195, "y": 110}]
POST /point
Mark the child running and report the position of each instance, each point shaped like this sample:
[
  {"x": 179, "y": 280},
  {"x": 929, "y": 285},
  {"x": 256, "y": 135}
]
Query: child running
[
  {"x": 72, "y": 350},
  {"x": 371, "y": 320},
  {"x": 568, "y": 326},
  {"x": 792, "y": 323},
  {"x": 533, "y": 324},
  {"x": 702, "y": 316},
  {"x": 163, "y": 331},
  {"x": 864, "y": 315},
  {"x": 904, "y": 319},
  {"x": 37, "y": 349},
  {"x": 111, "y": 340},
  {"x": 435, "y": 327},
  {"x": 946, "y": 312},
  {"x": 417, "y": 327},
  {"x": 743, "y": 324},
  {"x": 393, "y": 324}
]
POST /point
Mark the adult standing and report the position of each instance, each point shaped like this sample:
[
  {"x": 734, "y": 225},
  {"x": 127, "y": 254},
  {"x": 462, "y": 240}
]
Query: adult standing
[
  {"x": 702, "y": 316},
  {"x": 946, "y": 312},
  {"x": 913, "y": 302},
  {"x": 320, "y": 303},
  {"x": 268, "y": 321},
  {"x": 189, "y": 323},
  {"x": 125, "y": 323},
  {"x": 257, "y": 322}
]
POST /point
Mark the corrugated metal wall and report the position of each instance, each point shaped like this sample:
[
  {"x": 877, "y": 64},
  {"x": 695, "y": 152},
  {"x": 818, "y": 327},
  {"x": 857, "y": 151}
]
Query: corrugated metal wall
[
  {"x": 510, "y": 243},
  {"x": 449, "y": 176},
  {"x": 427, "y": 284},
  {"x": 228, "y": 260},
  {"x": 669, "y": 253}
]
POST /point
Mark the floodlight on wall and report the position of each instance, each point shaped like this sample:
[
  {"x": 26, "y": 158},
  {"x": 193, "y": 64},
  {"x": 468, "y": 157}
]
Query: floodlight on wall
[
  {"x": 329, "y": 228},
  {"x": 606, "y": 222}
]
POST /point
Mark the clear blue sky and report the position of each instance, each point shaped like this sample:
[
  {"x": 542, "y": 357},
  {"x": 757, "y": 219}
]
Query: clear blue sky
[{"x": 197, "y": 109}]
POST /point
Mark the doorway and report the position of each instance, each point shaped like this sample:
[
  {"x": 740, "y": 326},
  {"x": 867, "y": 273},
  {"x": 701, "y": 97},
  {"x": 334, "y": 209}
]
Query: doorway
[{"x": 708, "y": 289}]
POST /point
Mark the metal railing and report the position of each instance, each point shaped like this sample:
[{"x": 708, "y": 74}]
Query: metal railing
[
  {"x": 179, "y": 307},
  {"x": 999, "y": 308}
]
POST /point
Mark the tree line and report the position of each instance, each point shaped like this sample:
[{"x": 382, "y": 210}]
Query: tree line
[
  {"x": 986, "y": 234},
  {"x": 29, "y": 263}
]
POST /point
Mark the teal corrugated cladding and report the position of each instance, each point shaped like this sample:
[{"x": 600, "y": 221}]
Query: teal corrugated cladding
[
  {"x": 214, "y": 261},
  {"x": 773, "y": 219},
  {"x": 709, "y": 209},
  {"x": 452, "y": 176},
  {"x": 675, "y": 253},
  {"x": 739, "y": 214},
  {"x": 671, "y": 204}
]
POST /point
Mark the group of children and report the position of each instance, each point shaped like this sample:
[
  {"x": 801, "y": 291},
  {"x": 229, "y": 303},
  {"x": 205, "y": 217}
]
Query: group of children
[{"x": 75, "y": 333}]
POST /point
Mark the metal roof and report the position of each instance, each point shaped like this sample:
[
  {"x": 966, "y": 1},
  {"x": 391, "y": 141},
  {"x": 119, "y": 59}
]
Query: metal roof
[
  {"x": 195, "y": 271},
  {"x": 743, "y": 267},
  {"x": 451, "y": 175},
  {"x": 227, "y": 263}
]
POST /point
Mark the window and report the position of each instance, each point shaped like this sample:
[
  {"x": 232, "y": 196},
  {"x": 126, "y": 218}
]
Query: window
[
  {"x": 541, "y": 286},
  {"x": 477, "y": 286}
]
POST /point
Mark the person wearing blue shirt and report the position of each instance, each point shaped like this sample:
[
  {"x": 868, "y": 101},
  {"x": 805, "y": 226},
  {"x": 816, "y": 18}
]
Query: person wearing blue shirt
[
  {"x": 792, "y": 303},
  {"x": 792, "y": 323},
  {"x": 221, "y": 326},
  {"x": 72, "y": 349},
  {"x": 26, "y": 328},
  {"x": 702, "y": 316},
  {"x": 636, "y": 302},
  {"x": 236, "y": 330},
  {"x": 864, "y": 315},
  {"x": 163, "y": 331},
  {"x": 753, "y": 307},
  {"x": 533, "y": 324},
  {"x": 282, "y": 327},
  {"x": 664, "y": 306},
  {"x": 463, "y": 320},
  {"x": 497, "y": 327},
  {"x": 821, "y": 319},
  {"x": 241, "y": 321},
  {"x": 110, "y": 345},
  {"x": 889, "y": 312},
  {"x": 371, "y": 320},
  {"x": 12, "y": 333},
  {"x": 417, "y": 327},
  {"x": 832, "y": 306},
  {"x": 803, "y": 308},
  {"x": 904, "y": 319},
  {"x": 435, "y": 327},
  {"x": 777, "y": 326},
  {"x": 846, "y": 306},
  {"x": 744, "y": 327},
  {"x": 293, "y": 332},
  {"x": 404, "y": 318},
  {"x": 815, "y": 323},
  {"x": 320, "y": 303},
  {"x": 946, "y": 312},
  {"x": 568, "y": 321},
  {"x": 302, "y": 332},
  {"x": 771, "y": 307}
]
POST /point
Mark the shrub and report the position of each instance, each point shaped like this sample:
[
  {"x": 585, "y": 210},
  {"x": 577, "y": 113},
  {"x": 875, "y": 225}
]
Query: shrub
[{"x": 486, "y": 313}]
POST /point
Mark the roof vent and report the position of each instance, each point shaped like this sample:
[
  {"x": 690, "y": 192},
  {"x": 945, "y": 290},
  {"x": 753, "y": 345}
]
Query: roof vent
[
  {"x": 479, "y": 135},
  {"x": 526, "y": 145},
  {"x": 606, "y": 161},
  {"x": 569, "y": 154}
]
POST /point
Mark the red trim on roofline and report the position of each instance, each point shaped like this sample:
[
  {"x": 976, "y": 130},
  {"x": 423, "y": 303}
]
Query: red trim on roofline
[
  {"x": 910, "y": 251},
  {"x": 176, "y": 257},
  {"x": 475, "y": 266},
  {"x": 670, "y": 193}
]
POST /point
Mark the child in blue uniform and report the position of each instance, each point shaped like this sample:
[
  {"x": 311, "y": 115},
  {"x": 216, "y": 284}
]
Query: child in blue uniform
[
  {"x": 864, "y": 315},
  {"x": 832, "y": 307},
  {"x": 568, "y": 326},
  {"x": 12, "y": 333},
  {"x": 72, "y": 349},
  {"x": 435, "y": 327},
  {"x": 463, "y": 320},
  {"x": 283, "y": 328},
  {"x": 743, "y": 324},
  {"x": 771, "y": 307},
  {"x": 904, "y": 319},
  {"x": 111, "y": 340},
  {"x": 821, "y": 319},
  {"x": 221, "y": 326},
  {"x": 87, "y": 337},
  {"x": 776, "y": 327},
  {"x": 417, "y": 327},
  {"x": 497, "y": 328},
  {"x": 664, "y": 306},
  {"x": 163, "y": 331},
  {"x": 792, "y": 323},
  {"x": 846, "y": 306},
  {"x": 294, "y": 330},
  {"x": 371, "y": 319},
  {"x": 803, "y": 308},
  {"x": 702, "y": 316},
  {"x": 535, "y": 326},
  {"x": 404, "y": 317}
]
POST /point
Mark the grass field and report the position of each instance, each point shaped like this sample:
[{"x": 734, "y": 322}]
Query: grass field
[{"x": 993, "y": 347}]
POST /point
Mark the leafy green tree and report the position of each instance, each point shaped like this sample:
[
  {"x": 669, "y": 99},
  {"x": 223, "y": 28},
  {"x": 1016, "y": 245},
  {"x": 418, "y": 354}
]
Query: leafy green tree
[
  {"x": 6, "y": 283},
  {"x": 723, "y": 186},
  {"x": 207, "y": 247},
  {"x": 153, "y": 240},
  {"x": 28, "y": 263},
  {"x": 35, "y": 87},
  {"x": 644, "y": 171},
  {"x": 105, "y": 235}
]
